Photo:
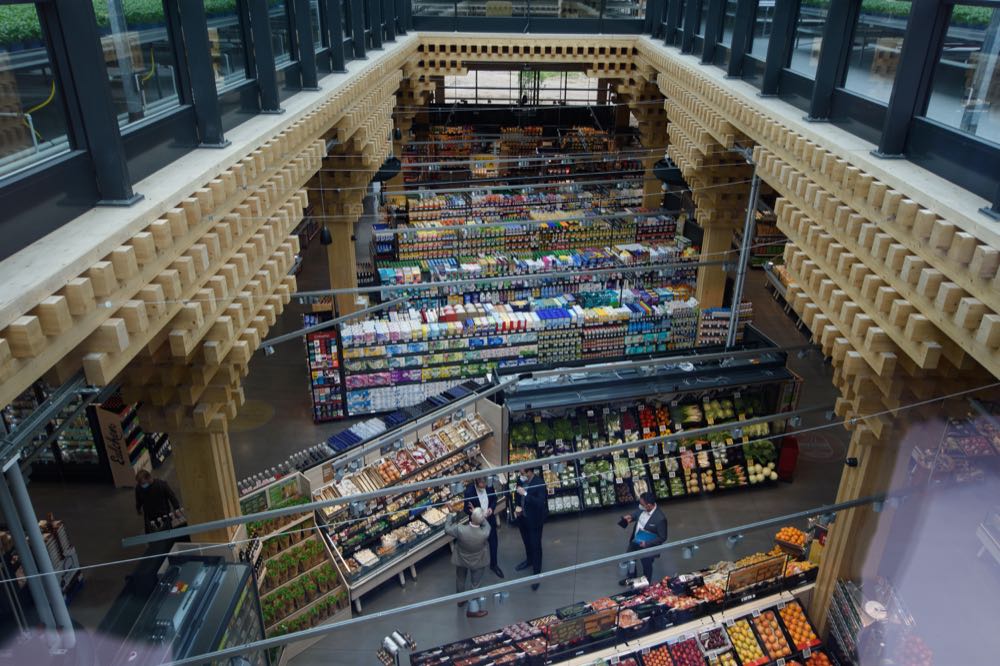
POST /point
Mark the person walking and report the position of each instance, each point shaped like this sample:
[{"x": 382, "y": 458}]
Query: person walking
[
  {"x": 531, "y": 510},
  {"x": 481, "y": 494},
  {"x": 469, "y": 554},
  {"x": 649, "y": 529},
  {"x": 155, "y": 500}
]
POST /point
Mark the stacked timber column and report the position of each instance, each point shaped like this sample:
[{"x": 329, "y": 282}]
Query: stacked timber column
[
  {"x": 701, "y": 145},
  {"x": 646, "y": 103},
  {"x": 363, "y": 141},
  {"x": 411, "y": 96}
]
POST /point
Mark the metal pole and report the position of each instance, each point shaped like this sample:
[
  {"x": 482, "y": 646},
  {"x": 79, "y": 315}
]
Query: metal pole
[
  {"x": 749, "y": 223},
  {"x": 49, "y": 578},
  {"x": 42, "y": 604}
]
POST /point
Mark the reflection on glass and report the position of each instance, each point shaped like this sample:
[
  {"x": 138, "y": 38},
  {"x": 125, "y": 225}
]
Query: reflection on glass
[
  {"x": 32, "y": 120},
  {"x": 965, "y": 90},
  {"x": 728, "y": 23},
  {"x": 314, "y": 19},
  {"x": 281, "y": 32},
  {"x": 762, "y": 25},
  {"x": 140, "y": 62},
  {"x": 613, "y": 9},
  {"x": 878, "y": 41},
  {"x": 808, "y": 36},
  {"x": 699, "y": 24},
  {"x": 229, "y": 57}
]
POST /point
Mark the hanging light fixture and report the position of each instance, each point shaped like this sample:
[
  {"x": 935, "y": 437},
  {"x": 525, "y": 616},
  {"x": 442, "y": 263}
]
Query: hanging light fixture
[{"x": 325, "y": 237}]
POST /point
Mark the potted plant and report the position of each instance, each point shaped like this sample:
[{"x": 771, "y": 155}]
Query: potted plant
[
  {"x": 311, "y": 589},
  {"x": 322, "y": 581}
]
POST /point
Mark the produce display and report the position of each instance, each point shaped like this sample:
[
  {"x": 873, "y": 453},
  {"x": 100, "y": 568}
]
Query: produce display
[
  {"x": 744, "y": 638},
  {"x": 799, "y": 628},
  {"x": 791, "y": 535},
  {"x": 684, "y": 467}
]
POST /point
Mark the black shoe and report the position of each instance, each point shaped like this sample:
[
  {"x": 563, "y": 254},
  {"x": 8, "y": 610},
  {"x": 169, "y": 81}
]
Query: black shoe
[
  {"x": 623, "y": 582},
  {"x": 522, "y": 566},
  {"x": 498, "y": 571},
  {"x": 534, "y": 586},
  {"x": 461, "y": 604}
]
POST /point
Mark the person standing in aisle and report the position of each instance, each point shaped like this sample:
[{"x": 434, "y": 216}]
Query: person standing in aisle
[
  {"x": 469, "y": 554},
  {"x": 481, "y": 494},
  {"x": 532, "y": 508},
  {"x": 649, "y": 529},
  {"x": 155, "y": 500}
]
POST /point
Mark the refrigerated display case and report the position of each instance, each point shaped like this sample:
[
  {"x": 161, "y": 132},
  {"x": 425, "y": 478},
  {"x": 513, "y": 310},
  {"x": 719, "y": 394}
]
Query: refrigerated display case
[{"x": 199, "y": 605}]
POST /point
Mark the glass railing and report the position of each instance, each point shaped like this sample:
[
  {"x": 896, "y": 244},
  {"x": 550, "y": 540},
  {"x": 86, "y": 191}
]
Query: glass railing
[{"x": 572, "y": 9}]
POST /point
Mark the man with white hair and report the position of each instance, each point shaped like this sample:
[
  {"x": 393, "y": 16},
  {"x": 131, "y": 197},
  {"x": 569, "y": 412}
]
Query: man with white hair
[{"x": 470, "y": 553}]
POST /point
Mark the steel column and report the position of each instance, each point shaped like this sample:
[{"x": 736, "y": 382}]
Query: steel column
[
  {"x": 358, "y": 28},
  {"x": 194, "y": 29},
  {"x": 673, "y": 21},
  {"x": 263, "y": 57},
  {"x": 743, "y": 265},
  {"x": 692, "y": 12},
  {"x": 375, "y": 20},
  {"x": 34, "y": 581},
  {"x": 334, "y": 24},
  {"x": 50, "y": 582},
  {"x": 77, "y": 28},
  {"x": 746, "y": 12},
  {"x": 713, "y": 29},
  {"x": 389, "y": 19},
  {"x": 780, "y": 45},
  {"x": 922, "y": 43},
  {"x": 304, "y": 44},
  {"x": 833, "y": 53}
]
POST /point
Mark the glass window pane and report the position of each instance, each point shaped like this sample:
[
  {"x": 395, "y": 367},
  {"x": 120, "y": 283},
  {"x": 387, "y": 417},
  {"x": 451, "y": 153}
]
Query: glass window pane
[
  {"x": 229, "y": 56},
  {"x": 32, "y": 118},
  {"x": 613, "y": 9},
  {"x": 699, "y": 25},
  {"x": 678, "y": 34},
  {"x": 281, "y": 30},
  {"x": 762, "y": 26},
  {"x": 139, "y": 54},
  {"x": 314, "y": 18},
  {"x": 728, "y": 23},
  {"x": 808, "y": 37},
  {"x": 965, "y": 90},
  {"x": 878, "y": 41}
]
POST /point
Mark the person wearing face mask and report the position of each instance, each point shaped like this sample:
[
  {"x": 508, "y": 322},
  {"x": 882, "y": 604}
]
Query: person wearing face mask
[
  {"x": 481, "y": 495},
  {"x": 649, "y": 529},
  {"x": 531, "y": 510},
  {"x": 155, "y": 500}
]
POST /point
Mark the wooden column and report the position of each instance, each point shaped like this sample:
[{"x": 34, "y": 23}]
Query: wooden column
[
  {"x": 207, "y": 480},
  {"x": 343, "y": 263},
  {"x": 712, "y": 279}
]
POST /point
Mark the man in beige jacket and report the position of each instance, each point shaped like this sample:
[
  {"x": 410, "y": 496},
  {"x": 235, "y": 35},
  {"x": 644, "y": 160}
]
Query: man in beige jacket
[{"x": 470, "y": 553}]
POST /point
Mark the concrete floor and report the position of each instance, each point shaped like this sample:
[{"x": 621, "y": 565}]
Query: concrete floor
[{"x": 277, "y": 421}]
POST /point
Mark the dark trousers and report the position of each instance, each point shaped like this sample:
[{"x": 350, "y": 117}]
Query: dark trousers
[
  {"x": 531, "y": 536},
  {"x": 645, "y": 562},
  {"x": 494, "y": 542}
]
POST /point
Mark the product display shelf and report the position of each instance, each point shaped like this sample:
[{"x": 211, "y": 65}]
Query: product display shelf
[
  {"x": 62, "y": 553},
  {"x": 764, "y": 620},
  {"x": 323, "y": 361},
  {"x": 713, "y": 324},
  {"x": 966, "y": 452},
  {"x": 383, "y": 538},
  {"x": 675, "y": 469},
  {"x": 276, "y": 545}
]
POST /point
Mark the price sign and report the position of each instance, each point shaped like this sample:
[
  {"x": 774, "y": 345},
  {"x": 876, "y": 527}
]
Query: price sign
[
  {"x": 645, "y": 431},
  {"x": 606, "y": 411},
  {"x": 780, "y": 662},
  {"x": 631, "y": 453},
  {"x": 615, "y": 659},
  {"x": 656, "y": 476},
  {"x": 756, "y": 613},
  {"x": 673, "y": 403},
  {"x": 807, "y": 653},
  {"x": 644, "y": 651},
  {"x": 697, "y": 447},
  {"x": 672, "y": 474},
  {"x": 590, "y": 413},
  {"x": 618, "y": 479},
  {"x": 730, "y": 623},
  {"x": 538, "y": 419},
  {"x": 559, "y": 442},
  {"x": 781, "y": 605}
]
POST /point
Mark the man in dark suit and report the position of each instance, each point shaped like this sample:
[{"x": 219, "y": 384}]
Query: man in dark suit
[
  {"x": 650, "y": 524},
  {"x": 531, "y": 510},
  {"x": 481, "y": 495}
]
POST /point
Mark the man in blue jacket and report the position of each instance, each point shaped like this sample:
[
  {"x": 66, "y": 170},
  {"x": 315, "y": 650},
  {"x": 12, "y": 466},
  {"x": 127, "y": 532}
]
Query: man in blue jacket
[
  {"x": 649, "y": 528},
  {"x": 531, "y": 510}
]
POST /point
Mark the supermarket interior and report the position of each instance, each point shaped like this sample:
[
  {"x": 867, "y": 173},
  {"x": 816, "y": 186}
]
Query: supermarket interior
[{"x": 408, "y": 332}]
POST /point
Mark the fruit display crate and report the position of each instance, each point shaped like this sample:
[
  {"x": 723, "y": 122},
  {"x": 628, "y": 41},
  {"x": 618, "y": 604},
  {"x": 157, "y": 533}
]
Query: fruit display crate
[
  {"x": 677, "y": 620},
  {"x": 689, "y": 466}
]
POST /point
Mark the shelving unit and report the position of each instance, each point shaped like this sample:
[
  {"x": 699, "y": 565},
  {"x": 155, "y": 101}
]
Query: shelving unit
[
  {"x": 276, "y": 545},
  {"x": 323, "y": 360},
  {"x": 713, "y": 324},
  {"x": 388, "y": 536}
]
